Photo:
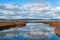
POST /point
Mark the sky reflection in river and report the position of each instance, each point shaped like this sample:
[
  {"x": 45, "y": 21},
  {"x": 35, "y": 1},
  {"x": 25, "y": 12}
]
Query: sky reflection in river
[{"x": 30, "y": 31}]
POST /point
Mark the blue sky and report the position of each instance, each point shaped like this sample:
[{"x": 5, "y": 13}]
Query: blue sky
[{"x": 20, "y": 2}]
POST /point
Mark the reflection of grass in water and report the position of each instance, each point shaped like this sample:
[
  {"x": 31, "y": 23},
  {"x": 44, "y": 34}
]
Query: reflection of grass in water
[{"x": 32, "y": 30}]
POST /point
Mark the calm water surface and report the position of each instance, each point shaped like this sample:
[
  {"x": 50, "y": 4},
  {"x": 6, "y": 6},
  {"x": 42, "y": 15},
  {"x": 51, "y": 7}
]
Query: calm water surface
[{"x": 32, "y": 31}]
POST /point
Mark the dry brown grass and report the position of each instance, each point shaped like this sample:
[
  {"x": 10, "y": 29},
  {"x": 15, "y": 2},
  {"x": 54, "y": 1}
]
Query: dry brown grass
[{"x": 11, "y": 24}]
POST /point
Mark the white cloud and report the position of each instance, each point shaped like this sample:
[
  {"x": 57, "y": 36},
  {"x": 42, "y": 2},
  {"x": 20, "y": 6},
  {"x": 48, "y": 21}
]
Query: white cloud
[
  {"x": 30, "y": 10},
  {"x": 57, "y": 8}
]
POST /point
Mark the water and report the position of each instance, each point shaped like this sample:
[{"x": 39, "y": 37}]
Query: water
[{"x": 32, "y": 31}]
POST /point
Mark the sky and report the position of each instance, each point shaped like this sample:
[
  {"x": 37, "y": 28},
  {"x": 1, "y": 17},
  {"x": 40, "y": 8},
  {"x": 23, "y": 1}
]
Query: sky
[
  {"x": 20, "y": 2},
  {"x": 29, "y": 9}
]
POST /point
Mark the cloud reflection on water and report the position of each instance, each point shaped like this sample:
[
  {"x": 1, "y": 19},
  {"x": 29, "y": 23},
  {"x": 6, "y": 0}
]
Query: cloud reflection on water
[{"x": 31, "y": 30}]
